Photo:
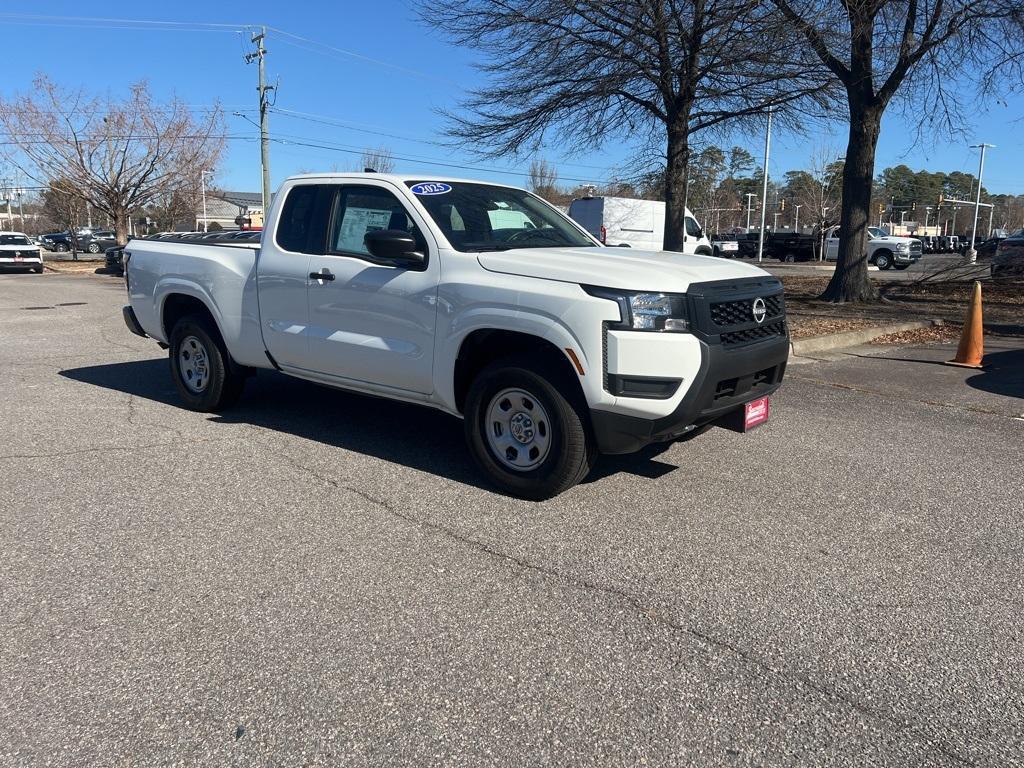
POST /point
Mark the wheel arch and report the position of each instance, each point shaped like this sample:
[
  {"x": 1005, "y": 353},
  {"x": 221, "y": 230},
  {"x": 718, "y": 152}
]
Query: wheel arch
[{"x": 484, "y": 346}]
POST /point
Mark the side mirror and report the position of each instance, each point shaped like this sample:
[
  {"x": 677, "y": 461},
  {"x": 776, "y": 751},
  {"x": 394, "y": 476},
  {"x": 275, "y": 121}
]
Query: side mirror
[{"x": 394, "y": 245}]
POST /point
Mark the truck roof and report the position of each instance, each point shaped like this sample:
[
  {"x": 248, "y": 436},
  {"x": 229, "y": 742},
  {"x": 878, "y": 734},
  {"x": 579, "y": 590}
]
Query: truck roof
[{"x": 399, "y": 178}]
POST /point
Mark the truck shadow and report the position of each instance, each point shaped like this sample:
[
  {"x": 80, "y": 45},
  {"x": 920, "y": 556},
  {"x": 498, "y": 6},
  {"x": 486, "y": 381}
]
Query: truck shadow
[{"x": 415, "y": 436}]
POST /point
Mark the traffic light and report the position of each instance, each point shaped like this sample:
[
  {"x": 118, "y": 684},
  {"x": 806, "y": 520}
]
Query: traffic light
[
  {"x": 881, "y": 208},
  {"x": 913, "y": 206},
  {"x": 941, "y": 198},
  {"x": 782, "y": 205}
]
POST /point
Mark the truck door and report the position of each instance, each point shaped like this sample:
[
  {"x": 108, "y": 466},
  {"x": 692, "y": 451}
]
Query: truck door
[
  {"x": 372, "y": 321},
  {"x": 283, "y": 274},
  {"x": 832, "y": 245}
]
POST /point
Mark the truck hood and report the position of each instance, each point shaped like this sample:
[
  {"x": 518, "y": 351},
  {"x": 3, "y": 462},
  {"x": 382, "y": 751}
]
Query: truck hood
[
  {"x": 892, "y": 239},
  {"x": 622, "y": 268}
]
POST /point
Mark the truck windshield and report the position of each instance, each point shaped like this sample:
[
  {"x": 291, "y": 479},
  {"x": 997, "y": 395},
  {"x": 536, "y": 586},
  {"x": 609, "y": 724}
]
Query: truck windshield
[
  {"x": 482, "y": 217},
  {"x": 13, "y": 240}
]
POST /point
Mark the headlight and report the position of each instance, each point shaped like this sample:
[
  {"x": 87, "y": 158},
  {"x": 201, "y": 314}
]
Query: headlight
[
  {"x": 647, "y": 311},
  {"x": 902, "y": 247}
]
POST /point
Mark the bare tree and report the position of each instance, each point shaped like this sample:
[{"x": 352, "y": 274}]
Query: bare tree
[
  {"x": 379, "y": 159},
  {"x": 115, "y": 155},
  {"x": 874, "y": 48},
  {"x": 588, "y": 71},
  {"x": 543, "y": 181},
  {"x": 817, "y": 189}
]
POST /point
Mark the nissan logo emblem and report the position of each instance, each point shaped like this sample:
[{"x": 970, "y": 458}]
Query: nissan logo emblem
[{"x": 759, "y": 310}]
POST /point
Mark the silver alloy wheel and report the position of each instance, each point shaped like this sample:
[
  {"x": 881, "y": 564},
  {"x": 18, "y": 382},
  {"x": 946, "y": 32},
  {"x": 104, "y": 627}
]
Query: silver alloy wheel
[
  {"x": 94, "y": 247},
  {"x": 517, "y": 429},
  {"x": 193, "y": 363}
]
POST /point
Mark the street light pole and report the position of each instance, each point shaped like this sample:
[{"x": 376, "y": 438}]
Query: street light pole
[
  {"x": 971, "y": 253},
  {"x": 796, "y": 219},
  {"x": 764, "y": 186},
  {"x": 749, "y": 195}
]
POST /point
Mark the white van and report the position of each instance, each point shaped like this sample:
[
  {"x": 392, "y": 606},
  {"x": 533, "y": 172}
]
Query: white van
[{"x": 636, "y": 223}]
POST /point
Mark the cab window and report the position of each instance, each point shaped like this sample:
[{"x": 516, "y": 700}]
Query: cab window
[{"x": 359, "y": 210}]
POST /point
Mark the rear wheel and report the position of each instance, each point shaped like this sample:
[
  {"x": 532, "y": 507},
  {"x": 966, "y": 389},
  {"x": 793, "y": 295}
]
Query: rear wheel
[
  {"x": 883, "y": 260},
  {"x": 205, "y": 376},
  {"x": 60, "y": 248},
  {"x": 94, "y": 247},
  {"x": 530, "y": 439}
]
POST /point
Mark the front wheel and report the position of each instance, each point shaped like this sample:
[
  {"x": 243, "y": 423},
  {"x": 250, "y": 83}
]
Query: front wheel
[
  {"x": 883, "y": 260},
  {"x": 94, "y": 247},
  {"x": 60, "y": 248},
  {"x": 206, "y": 378},
  {"x": 530, "y": 439}
]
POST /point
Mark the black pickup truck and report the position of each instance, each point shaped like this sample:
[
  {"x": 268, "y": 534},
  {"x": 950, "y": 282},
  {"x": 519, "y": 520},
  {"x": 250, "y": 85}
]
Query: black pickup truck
[{"x": 784, "y": 246}]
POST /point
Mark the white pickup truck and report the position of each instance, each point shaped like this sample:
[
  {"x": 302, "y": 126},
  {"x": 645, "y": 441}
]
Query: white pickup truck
[
  {"x": 884, "y": 250},
  {"x": 478, "y": 299}
]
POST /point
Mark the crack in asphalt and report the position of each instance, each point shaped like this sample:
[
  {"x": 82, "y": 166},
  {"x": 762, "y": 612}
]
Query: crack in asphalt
[
  {"x": 648, "y": 612},
  {"x": 901, "y": 398},
  {"x": 97, "y": 449}
]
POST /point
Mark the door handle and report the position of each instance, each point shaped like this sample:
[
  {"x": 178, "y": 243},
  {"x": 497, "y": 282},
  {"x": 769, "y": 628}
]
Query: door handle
[{"x": 326, "y": 274}]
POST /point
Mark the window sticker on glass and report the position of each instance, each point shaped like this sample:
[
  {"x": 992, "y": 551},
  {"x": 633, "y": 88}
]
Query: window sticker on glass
[
  {"x": 431, "y": 188},
  {"x": 354, "y": 226}
]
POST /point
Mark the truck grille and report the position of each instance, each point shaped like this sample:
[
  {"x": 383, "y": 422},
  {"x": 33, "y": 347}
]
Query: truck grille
[
  {"x": 915, "y": 248},
  {"x": 722, "y": 312},
  {"x": 727, "y": 313}
]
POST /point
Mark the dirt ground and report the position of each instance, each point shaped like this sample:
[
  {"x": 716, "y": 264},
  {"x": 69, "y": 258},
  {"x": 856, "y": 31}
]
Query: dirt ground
[{"x": 1002, "y": 306}]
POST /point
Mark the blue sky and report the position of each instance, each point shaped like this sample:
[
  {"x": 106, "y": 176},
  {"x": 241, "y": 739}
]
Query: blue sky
[{"x": 369, "y": 74}]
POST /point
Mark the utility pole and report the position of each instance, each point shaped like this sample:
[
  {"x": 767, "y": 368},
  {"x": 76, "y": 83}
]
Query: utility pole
[
  {"x": 202, "y": 177},
  {"x": 8, "y": 191},
  {"x": 749, "y": 195},
  {"x": 259, "y": 56},
  {"x": 764, "y": 186},
  {"x": 991, "y": 211},
  {"x": 971, "y": 253},
  {"x": 796, "y": 219}
]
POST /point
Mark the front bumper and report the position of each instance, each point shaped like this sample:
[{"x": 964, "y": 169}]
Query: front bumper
[
  {"x": 26, "y": 263},
  {"x": 728, "y": 378}
]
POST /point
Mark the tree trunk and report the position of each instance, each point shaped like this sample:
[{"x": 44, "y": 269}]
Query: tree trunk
[
  {"x": 676, "y": 170},
  {"x": 121, "y": 226},
  {"x": 850, "y": 283}
]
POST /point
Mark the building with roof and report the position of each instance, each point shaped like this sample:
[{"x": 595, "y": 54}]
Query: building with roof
[{"x": 225, "y": 208}]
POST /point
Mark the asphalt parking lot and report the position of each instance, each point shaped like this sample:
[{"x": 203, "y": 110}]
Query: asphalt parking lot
[{"x": 317, "y": 578}]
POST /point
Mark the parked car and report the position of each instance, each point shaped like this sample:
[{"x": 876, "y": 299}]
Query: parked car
[
  {"x": 636, "y": 223},
  {"x": 788, "y": 246},
  {"x": 986, "y": 249},
  {"x": 61, "y": 242},
  {"x": 884, "y": 250},
  {"x": 1008, "y": 260},
  {"x": 97, "y": 241},
  {"x": 17, "y": 251},
  {"x": 550, "y": 346},
  {"x": 724, "y": 246}
]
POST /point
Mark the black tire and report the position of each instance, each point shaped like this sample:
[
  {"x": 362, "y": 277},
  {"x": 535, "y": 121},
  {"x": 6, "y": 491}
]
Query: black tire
[
  {"x": 572, "y": 450},
  {"x": 883, "y": 260},
  {"x": 224, "y": 378},
  {"x": 61, "y": 248}
]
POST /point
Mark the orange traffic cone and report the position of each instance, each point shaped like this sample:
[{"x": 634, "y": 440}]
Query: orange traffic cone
[{"x": 972, "y": 347}]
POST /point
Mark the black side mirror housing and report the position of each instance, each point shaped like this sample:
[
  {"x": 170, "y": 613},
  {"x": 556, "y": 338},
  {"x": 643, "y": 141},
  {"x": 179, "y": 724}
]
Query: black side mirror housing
[{"x": 394, "y": 245}]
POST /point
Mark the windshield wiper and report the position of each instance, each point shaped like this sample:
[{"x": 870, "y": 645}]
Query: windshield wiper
[{"x": 486, "y": 248}]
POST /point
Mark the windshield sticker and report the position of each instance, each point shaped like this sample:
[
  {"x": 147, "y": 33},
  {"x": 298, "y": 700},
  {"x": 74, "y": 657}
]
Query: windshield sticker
[{"x": 431, "y": 188}]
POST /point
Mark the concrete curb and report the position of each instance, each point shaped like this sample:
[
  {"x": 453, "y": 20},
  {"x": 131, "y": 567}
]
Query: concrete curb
[{"x": 804, "y": 347}]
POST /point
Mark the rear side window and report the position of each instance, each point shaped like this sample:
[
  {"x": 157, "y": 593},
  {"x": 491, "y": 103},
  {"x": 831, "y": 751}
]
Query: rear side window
[{"x": 296, "y": 224}]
